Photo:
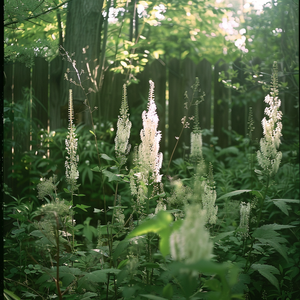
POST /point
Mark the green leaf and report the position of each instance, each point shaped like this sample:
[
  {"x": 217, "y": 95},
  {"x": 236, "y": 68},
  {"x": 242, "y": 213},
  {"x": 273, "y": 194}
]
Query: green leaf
[
  {"x": 106, "y": 157},
  {"x": 153, "y": 297},
  {"x": 92, "y": 133},
  {"x": 208, "y": 267},
  {"x": 234, "y": 193},
  {"x": 82, "y": 206},
  {"x": 11, "y": 294},
  {"x": 161, "y": 221},
  {"x": 168, "y": 291},
  {"x": 267, "y": 271},
  {"x": 96, "y": 169},
  {"x": 282, "y": 206},
  {"x": 120, "y": 248},
  {"x": 88, "y": 295},
  {"x": 276, "y": 245},
  {"x": 164, "y": 244},
  {"x": 275, "y": 227},
  {"x": 111, "y": 176},
  {"x": 66, "y": 191},
  {"x": 160, "y": 225},
  {"x": 19, "y": 217},
  {"x": 221, "y": 236}
]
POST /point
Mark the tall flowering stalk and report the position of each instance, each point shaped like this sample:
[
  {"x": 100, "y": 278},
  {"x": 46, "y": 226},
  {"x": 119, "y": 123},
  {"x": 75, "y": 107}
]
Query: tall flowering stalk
[
  {"x": 122, "y": 146},
  {"x": 268, "y": 157},
  {"x": 196, "y": 138},
  {"x": 72, "y": 158},
  {"x": 148, "y": 159}
]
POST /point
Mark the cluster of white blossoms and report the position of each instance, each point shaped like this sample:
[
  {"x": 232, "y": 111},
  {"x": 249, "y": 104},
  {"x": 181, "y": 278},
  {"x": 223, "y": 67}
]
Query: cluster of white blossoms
[
  {"x": 72, "y": 159},
  {"x": 268, "y": 157},
  {"x": 209, "y": 196},
  {"x": 122, "y": 147},
  {"x": 191, "y": 242},
  {"x": 149, "y": 157},
  {"x": 245, "y": 209},
  {"x": 196, "y": 145},
  {"x": 205, "y": 193}
]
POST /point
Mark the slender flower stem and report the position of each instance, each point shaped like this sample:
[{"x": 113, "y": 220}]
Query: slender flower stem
[{"x": 248, "y": 263}]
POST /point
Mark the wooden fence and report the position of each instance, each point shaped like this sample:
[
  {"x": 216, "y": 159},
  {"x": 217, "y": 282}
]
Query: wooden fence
[{"x": 218, "y": 113}]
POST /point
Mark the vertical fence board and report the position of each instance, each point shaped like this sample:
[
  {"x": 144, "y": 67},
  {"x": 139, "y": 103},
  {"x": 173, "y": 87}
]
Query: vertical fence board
[
  {"x": 40, "y": 92},
  {"x": 55, "y": 101},
  {"x": 175, "y": 105},
  {"x": 221, "y": 107},
  {"x": 238, "y": 111},
  {"x": 204, "y": 73},
  {"x": 21, "y": 92},
  {"x": 189, "y": 78}
]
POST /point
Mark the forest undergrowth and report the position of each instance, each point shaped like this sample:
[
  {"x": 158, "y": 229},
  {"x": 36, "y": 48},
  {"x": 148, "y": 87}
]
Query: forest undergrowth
[{"x": 215, "y": 224}]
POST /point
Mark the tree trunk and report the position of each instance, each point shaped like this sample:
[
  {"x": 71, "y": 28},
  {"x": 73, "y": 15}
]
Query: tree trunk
[{"x": 81, "y": 53}]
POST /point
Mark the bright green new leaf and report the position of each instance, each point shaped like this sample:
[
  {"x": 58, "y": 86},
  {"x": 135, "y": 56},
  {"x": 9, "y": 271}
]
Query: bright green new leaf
[{"x": 158, "y": 223}]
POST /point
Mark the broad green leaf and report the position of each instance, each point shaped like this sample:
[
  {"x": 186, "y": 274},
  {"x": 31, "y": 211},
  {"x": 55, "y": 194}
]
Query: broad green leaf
[
  {"x": 164, "y": 244},
  {"x": 161, "y": 221},
  {"x": 234, "y": 193},
  {"x": 287, "y": 200},
  {"x": 105, "y": 156},
  {"x": 282, "y": 206},
  {"x": 276, "y": 245},
  {"x": 160, "y": 225},
  {"x": 82, "y": 206},
  {"x": 111, "y": 176},
  {"x": 88, "y": 295},
  {"x": 37, "y": 233},
  {"x": 168, "y": 291},
  {"x": 11, "y": 294},
  {"x": 120, "y": 248},
  {"x": 96, "y": 169},
  {"x": 275, "y": 226},
  {"x": 221, "y": 236},
  {"x": 267, "y": 271},
  {"x": 207, "y": 267}
]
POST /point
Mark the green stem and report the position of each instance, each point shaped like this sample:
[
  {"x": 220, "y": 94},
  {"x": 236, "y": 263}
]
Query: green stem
[
  {"x": 248, "y": 264},
  {"x": 57, "y": 259}
]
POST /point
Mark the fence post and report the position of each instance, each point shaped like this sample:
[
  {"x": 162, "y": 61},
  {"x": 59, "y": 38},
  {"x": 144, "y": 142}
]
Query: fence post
[{"x": 221, "y": 107}]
